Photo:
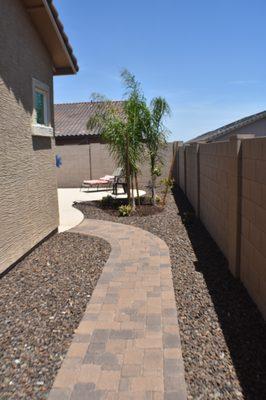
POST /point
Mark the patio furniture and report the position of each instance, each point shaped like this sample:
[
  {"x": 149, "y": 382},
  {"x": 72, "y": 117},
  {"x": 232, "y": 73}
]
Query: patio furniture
[
  {"x": 105, "y": 182},
  {"x": 119, "y": 180}
]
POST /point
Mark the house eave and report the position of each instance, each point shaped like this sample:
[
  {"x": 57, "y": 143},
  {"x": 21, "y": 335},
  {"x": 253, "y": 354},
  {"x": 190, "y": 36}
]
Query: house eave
[{"x": 45, "y": 20}]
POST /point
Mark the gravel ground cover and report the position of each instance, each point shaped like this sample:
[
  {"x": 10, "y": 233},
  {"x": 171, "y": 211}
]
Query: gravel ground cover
[
  {"x": 223, "y": 335},
  {"x": 42, "y": 301}
]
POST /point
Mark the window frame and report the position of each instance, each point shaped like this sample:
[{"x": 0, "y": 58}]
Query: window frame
[
  {"x": 45, "y": 113},
  {"x": 45, "y": 129}
]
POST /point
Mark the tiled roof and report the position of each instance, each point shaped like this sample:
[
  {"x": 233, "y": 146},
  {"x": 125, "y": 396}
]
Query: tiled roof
[
  {"x": 63, "y": 34},
  {"x": 217, "y": 133},
  {"x": 71, "y": 118}
]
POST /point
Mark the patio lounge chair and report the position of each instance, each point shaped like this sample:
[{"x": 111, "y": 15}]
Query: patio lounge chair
[
  {"x": 119, "y": 179},
  {"x": 105, "y": 182}
]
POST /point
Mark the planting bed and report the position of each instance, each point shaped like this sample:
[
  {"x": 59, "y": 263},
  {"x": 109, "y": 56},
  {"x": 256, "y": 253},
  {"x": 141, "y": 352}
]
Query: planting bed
[
  {"x": 223, "y": 335},
  {"x": 42, "y": 301}
]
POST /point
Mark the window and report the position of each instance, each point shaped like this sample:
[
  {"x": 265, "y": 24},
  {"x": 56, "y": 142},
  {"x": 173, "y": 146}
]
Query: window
[
  {"x": 40, "y": 100},
  {"x": 41, "y": 109}
]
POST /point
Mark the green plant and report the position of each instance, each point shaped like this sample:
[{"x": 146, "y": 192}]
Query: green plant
[
  {"x": 147, "y": 199},
  {"x": 168, "y": 184},
  {"x": 132, "y": 130},
  {"x": 155, "y": 135},
  {"x": 157, "y": 171},
  {"x": 107, "y": 201},
  {"x": 125, "y": 210},
  {"x": 122, "y": 130},
  {"x": 158, "y": 199}
]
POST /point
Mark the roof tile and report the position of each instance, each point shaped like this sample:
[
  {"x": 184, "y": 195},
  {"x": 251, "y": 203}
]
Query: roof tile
[
  {"x": 71, "y": 118},
  {"x": 217, "y": 133}
]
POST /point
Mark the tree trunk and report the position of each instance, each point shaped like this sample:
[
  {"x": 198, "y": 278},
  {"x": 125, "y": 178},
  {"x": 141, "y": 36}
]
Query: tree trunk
[
  {"x": 132, "y": 194},
  {"x": 127, "y": 170},
  {"x": 137, "y": 187},
  {"x": 153, "y": 190},
  {"x": 153, "y": 181}
]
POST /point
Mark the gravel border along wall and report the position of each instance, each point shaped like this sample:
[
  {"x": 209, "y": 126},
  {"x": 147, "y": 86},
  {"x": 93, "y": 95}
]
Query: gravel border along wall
[
  {"x": 222, "y": 332},
  {"x": 42, "y": 300}
]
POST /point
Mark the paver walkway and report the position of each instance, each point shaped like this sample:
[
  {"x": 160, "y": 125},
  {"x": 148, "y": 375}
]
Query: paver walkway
[{"x": 127, "y": 345}]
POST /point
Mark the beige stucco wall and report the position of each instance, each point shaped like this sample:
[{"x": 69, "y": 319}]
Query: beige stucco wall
[
  {"x": 92, "y": 161},
  {"x": 253, "y": 218},
  {"x": 28, "y": 197}
]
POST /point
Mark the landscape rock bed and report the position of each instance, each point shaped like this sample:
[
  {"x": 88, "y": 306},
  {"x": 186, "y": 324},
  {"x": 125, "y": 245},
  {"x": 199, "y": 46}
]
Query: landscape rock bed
[
  {"x": 222, "y": 333},
  {"x": 42, "y": 300}
]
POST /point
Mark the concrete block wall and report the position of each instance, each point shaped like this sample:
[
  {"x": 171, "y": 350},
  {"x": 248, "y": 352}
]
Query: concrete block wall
[
  {"x": 192, "y": 178},
  {"x": 175, "y": 169},
  {"x": 226, "y": 184},
  {"x": 182, "y": 168},
  {"x": 101, "y": 161},
  {"x": 214, "y": 160},
  {"x": 253, "y": 220},
  {"x": 75, "y": 165},
  {"x": 92, "y": 161}
]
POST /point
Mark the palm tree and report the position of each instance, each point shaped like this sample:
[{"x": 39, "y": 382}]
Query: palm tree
[
  {"x": 123, "y": 131},
  {"x": 113, "y": 130},
  {"x": 133, "y": 109},
  {"x": 155, "y": 135},
  {"x": 130, "y": 132}
]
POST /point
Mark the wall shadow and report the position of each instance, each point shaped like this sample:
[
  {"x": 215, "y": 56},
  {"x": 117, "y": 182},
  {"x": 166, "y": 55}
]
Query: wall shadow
[
  {"x": 41, "y": 143},
  {"x": 242, "y": 324}
]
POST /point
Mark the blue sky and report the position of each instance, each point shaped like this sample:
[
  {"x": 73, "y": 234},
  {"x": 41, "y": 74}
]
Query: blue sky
[{"x": 206, "y": 57}]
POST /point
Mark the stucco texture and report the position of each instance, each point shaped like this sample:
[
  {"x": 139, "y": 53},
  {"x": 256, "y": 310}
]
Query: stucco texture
[{"x": 28, "y": 196}]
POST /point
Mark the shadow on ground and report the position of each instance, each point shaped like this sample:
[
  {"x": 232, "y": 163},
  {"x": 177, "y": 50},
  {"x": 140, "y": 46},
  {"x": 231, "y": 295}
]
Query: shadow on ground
[{"x": 243, "y": 326}]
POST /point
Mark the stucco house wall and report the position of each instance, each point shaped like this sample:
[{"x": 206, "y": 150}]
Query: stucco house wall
[
  {"x": 28, "y": 196},
  {"x": 257, "y": 128}
]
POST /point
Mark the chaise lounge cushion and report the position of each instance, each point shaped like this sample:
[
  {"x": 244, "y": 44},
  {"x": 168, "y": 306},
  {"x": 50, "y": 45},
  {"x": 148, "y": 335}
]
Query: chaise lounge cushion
[
  {"x": 95, "y": 182},
  {"x": 107, "y": 178}
]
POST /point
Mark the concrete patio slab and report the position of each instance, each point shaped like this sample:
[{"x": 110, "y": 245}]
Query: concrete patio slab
[
  {"x": 127, "y": 345},
  {"x": 70, "y": 216}
]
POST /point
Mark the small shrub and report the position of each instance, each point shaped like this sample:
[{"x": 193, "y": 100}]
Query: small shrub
[
  {"x": 148, "y": 199},
  {"x": 158, "y": 199},
  {"x": 157, "y": 171},
  {"x": 125, "y": 210},
  {"x": 168, "y": 184},
  {"x": 107, "y": 201}
]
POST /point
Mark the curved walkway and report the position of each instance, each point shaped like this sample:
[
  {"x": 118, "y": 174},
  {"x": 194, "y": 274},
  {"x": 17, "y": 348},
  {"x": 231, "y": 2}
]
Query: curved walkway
[{"x": 127, "y": 345}]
